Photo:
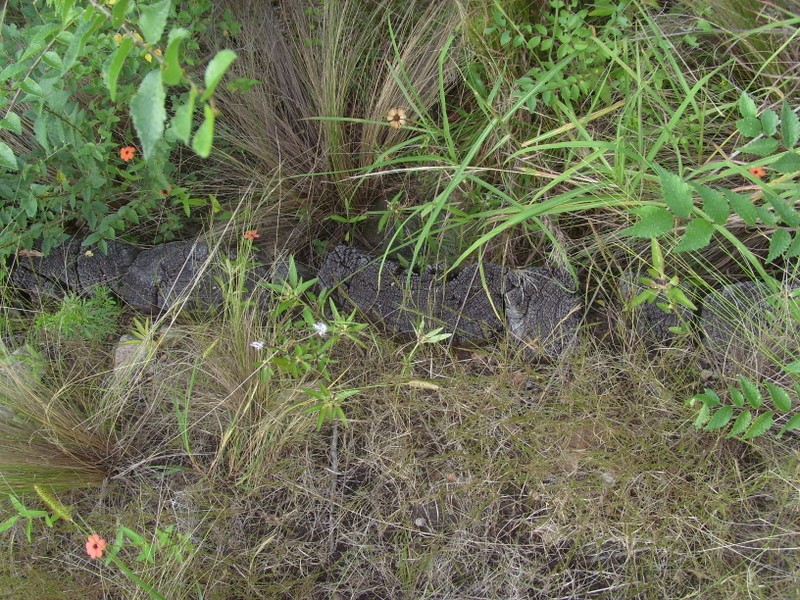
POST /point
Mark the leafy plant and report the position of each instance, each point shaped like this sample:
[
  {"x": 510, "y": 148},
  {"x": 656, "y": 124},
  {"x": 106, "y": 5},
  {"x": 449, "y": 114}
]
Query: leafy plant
[
  {"x": 65, "y": 153},
  {"x": 79, "y": 317},
  {"x": 666, "y": 292},
  {"x": 167, "y": 541},
  {"x": 328, "y": 406},
  {"x": 699, "y": 223},
  {"x": 27, "y": 516},
  {"x": 591, "y": 37},
  {"x": 305, "y": 338},
  {"x": 744, "y": 411}
]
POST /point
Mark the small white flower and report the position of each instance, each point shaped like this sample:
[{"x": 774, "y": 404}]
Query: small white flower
[
  {"x": 257, "y": 345},
  {"x": 321, "y": 329}
]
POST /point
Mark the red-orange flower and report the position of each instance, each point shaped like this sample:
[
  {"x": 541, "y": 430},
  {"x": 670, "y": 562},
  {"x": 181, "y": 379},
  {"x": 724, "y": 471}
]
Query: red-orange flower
[
  {"x": 95, "y": 546},
  {"x": 757, "y": 172},
  {"x": 251, "y": 234},
  {"x": 126, "y": 153}
]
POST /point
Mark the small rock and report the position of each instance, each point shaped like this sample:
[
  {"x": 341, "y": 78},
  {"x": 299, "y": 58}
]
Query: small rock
[{"x": 126, "y": 352}]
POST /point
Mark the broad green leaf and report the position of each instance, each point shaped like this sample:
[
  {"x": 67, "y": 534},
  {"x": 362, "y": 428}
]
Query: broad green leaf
[
  {"x": 740, "y": 424},
  {"x": 769, "y": 121},
  {"x": 204, "y": 136},
  {"x": 761, "y": 147},
  {"x": 749, "y": 127},
  {"x": 8, "y": 523},
  {"x": 790, "y": 126},
  {"x": 737, "y": 398},
  {"x": 172, "y": 65},
  {"x": 216, "y": 70},
  {"x": 747, "y": 107},
  {"x": 779, "y": 396},
  {"x": 13, "y": 70},
  {"x": 714, "y": 203},
  {"x": 40, "y": 126},
  {"x": 12, "y": 122},
  {"x": 702, "y": 416},
  {"x": 792, "y": 423},
  {"x": 781, "y": 238},
  {"x": 788, "y": 214},
  {"x": 654, "y": 221},
  {"x": 119, "y": 11},
  {"x": 676, "y": 294},
  {"x": 789, "y": 162},
  {"x": 114, "y": 65},
  {"x": 697, "y": 235},
  {"x": 148, "y": 112},
  {"x": 709, "y": 397},
  {"x": 642, "y": 297},
  {"x": 765, "y": 215},
  {"x": 677, "y": 193},
  {"x": 52, "y": 59},
  {"x": 182, "y": 121},
  {"x": 793, "y": 367},
  {"x": 742, "y": 206},
  {"x": 759, "y": 426},
  {"x": 656, "y": 255},
  {"x": 751, "y": 391},
  {"x": 32, "y": 87},
  {"x": 153, "y": 19},
  {"x": 244, "y": 84},
  {"x": 7, "y": 158},
  {"x": 794, "y": 248},
  {"x": 82, "y": 35},
  {"x": 720, "y": 418}
]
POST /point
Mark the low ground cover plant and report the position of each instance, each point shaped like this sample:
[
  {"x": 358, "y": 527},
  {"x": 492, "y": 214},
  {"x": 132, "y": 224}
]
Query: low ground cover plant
[{"x": 281, "y": 446}]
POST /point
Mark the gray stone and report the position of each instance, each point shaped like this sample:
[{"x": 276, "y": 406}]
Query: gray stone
[{"x": 126, "y": 352}]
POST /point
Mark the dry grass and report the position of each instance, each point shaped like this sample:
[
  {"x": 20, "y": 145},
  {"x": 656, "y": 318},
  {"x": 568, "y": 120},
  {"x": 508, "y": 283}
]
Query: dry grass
[
  {"x": 462, "y": 473},
  {"x": 493, "y": 480}
]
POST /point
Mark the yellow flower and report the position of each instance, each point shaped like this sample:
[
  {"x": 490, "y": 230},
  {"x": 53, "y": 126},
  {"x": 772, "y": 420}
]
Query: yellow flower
[
  {"x": 111, "y": 2},
  {"x": 396, "y": 117},
  {"x": 149, "y": 58},
  {"x": 88, "y": 254},
  {"x": 118, "y": 37}
]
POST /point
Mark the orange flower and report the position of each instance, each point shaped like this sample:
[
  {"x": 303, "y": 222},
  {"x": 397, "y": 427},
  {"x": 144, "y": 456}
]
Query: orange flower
[
  {"x": 126, "y": 153},
  {"x": 251, "y": 234},
  {"x": 95, "y": 546},
  {"x": 396, "y": 117},
  {"x": 757, "y": 172}
]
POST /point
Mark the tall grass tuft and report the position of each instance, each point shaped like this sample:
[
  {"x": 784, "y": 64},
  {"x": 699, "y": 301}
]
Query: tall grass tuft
[{"x": 329, "y": 74}]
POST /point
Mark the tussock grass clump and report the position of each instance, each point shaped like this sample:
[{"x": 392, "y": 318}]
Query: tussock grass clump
[{"x": 328, "y": 77}]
